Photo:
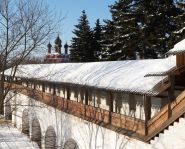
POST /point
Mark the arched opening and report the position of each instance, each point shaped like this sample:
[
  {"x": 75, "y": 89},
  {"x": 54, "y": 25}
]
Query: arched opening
[
  {"x": 50, "y": 138},
  {"x": 25, "y": 122},
  {"x": 70, "y": 144},
  {"x": 36, "y": 132},
  {"x": 7, "y": 110}
]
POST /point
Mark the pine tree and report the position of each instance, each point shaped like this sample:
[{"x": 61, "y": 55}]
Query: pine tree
[
  {"x": 81, "y": 49},
  {"x": 97, "y": 34}
]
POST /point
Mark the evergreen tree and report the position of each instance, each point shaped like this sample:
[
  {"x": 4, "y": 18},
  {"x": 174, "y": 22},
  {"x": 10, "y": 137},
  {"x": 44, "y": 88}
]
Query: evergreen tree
[
  {"x": 97, "y": 34},
  {"x": 107, "y": 41},
  {"x": 120, "y": 33},
  {"x": 81, "y": 49},
  {"x": 179, "y": 32},
  {"x": 158, "y": 22},
  {"x": 149, "y": 27}
]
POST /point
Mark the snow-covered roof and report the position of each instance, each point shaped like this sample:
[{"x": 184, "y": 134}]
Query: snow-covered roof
[
  {"x": 178, "y": 48},
  {"x": 128, "y": 76}
]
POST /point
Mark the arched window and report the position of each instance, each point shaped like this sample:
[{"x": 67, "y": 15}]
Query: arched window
[
  {"x": 7, "y": 110},
  {"x": 70, "y": 144},
  {"x": 36, "y": 132},
  {"x": 25, "y": 122},
  {"x": 50, "y": 138}
]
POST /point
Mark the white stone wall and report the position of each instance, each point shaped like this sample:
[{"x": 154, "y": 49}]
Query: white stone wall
[{"x": 86, "y": 134}]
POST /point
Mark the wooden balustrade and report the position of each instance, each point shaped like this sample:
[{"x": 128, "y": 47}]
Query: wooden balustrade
[
  {"x": 162, "y": 120},
  {"x": 93, "y": 114},
  {"x": 143, "y": 130}
]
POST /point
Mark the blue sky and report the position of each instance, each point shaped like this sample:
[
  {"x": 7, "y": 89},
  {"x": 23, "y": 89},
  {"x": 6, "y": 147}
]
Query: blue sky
[{"x": 71, "y": 10}]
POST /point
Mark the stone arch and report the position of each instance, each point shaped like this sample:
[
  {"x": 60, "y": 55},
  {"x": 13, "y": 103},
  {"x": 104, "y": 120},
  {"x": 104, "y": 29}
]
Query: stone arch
[
  {"x": 70, "y": 144},
  {"x": 36, "y": 131},
  {"x": 7, "y": 110},
  {"x": 25, "y": 122},
  {"x": 50, "y": 138}
]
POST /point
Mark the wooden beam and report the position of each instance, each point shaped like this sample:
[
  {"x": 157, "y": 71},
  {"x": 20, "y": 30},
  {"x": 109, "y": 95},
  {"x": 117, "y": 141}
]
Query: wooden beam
[
  {"x": 110, "y": 106},
  {"x": 43, "y": 87},
  {"x": 68, "y": 92},
  {"x": 86, "y": 96},
  {"x": 147, "y": 109},
  {"x": 132, "y": 103},
  {"x": 172, "y": 87},
  {"x": 54, "y": 89},
  {"x": 169, "y": 103}
]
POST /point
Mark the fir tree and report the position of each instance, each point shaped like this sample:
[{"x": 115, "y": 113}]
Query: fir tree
[
  {"x": 179, "y": 32},
  {"x": 107, "y": 41},
  {"x": 81, "y": 49},
  {"x": 97, "y": 34},
  {"x": 121, "y": 42},
  {"x": 158, "y": 22}
]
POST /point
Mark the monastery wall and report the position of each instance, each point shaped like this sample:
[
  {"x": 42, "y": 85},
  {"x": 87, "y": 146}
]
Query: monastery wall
[{"x": 68, "y": 129}]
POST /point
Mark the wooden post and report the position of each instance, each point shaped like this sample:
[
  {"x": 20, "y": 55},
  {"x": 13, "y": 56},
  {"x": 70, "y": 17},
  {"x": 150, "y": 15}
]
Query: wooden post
[
  {"x": 147, "y": 109},
  {"x": 26, "y": 83},
  {"x": 110, "y": 106},
  {"x": 54, "y": 89},
  {"x": 34, "y": 85},
  {"x": 171, "y": 93},
  {"x": 86, "y": 101},
  {"x": 86, "y": 97},
  {"x": 169, "y": 103},
  {"x": 43, "y": 87},
  {"x": 68, "y": 93},
  {"x": 172, "y": 87}
]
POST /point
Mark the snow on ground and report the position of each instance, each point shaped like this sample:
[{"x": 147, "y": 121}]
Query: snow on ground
[
  {"x": 126, "y": 75},
  {"x": 11, "y": 138},
  {"x": 178, "y": 48}
]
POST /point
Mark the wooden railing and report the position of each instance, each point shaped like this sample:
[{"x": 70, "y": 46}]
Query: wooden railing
[
  {"x": 162, "y": 120},
  {"x": 114, "y": 121}
]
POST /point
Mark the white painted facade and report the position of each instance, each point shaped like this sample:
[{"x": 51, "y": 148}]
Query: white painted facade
[{"x": 67, "y": 127}]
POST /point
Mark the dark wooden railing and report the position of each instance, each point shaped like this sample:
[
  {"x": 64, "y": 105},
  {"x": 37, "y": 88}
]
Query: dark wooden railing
[
  {"x": 162, "y": 120},
  {"x": 118, "y": 122}
]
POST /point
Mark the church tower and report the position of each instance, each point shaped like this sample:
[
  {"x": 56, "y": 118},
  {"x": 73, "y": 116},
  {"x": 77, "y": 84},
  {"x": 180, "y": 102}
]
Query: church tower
[
  {"x": 56, "y": 56},
  {"x": 66, "y": 48},
  {"x": 58, "y": 45},
  {"x": 49, "y": 48}
]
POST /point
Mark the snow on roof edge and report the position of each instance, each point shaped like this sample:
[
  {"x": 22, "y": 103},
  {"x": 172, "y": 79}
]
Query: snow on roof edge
[{"x": 125, "y": 76}]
